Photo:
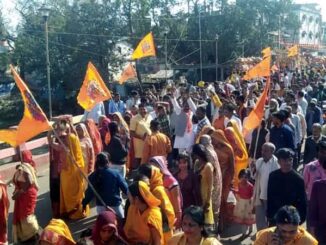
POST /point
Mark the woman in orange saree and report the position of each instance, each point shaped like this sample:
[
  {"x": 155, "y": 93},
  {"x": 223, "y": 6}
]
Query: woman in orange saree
[{"x": 225, "y": 156}]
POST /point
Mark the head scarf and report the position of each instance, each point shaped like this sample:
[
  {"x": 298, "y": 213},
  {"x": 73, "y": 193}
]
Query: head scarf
[
  {"x": 237, "y": 131},
  {"x": 156, "y": 178},
  {"x": 27, "y": 157},
  {"x": 235, "y": 142},
  {"x": 122, "y": 122},
  {"x": 161, "y": 163},
  {"x": 105, "y": 219},
  {"x": 219, "y": 136},
  {"x": 57, "y": 233},
  {"x": 86, "y": 138},
  {"x": 147, "y": 195},
  {"x": 28, "y": 169},
  {"x": 94, "y": 135},
  {"x": 205, "y": 130}
]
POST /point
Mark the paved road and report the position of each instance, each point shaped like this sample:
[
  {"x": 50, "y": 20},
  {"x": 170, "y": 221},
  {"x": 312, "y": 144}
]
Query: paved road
[{"x": 43, "y": 213}]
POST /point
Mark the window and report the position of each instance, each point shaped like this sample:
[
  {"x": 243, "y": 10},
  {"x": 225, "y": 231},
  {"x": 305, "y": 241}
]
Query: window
[
  {"x": 311, "y": 19},
  {"x": 311, "y": 35},
  {"x": 304, "y": 17},
  {"x": 303, "y": 34}
]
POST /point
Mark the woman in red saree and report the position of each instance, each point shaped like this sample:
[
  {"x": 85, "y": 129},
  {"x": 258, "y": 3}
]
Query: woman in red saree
[
  {"x": 4, "y": 209},
  {"x": 95, "y": 136},
  {"x": 25, "y": 225},
  {"x": 27, "y": 157}
]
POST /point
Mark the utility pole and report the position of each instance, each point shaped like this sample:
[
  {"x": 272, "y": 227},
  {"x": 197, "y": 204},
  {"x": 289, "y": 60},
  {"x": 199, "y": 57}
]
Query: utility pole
[{"x": 200, "y": 47}]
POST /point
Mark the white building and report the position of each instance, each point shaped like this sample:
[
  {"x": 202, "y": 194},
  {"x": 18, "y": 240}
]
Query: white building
[{"x": 310, "y": 31}]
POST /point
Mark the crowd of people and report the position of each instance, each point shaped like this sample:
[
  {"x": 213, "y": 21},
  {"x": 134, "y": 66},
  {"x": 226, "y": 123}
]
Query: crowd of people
[{"x": 174, "y": 166}]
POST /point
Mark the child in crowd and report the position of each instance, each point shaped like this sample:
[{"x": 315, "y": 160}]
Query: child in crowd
[{"x": 243, "y": 212}]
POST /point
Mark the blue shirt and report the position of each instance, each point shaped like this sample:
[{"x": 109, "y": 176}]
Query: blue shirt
[
  {"x": 117, "y": 107},
  {"x": 282, "y": 137},
  {"x": 108, "y": 183}
]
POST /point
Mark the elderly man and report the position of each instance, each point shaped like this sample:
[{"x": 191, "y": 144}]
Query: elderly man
[
  {"x": 260, "y": 171},
  {"x": 285, "y": 187},
  {"x": 310, "y": 150}
]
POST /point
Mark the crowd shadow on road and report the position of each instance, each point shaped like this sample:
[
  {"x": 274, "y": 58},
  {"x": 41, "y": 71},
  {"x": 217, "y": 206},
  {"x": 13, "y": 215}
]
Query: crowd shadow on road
[{"x": 232, "y": 235}]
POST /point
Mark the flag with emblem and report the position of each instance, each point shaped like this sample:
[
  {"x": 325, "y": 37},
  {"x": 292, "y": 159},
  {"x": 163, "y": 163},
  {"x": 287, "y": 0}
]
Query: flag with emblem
[
  {"x": 293, "y": 51},
  {"x": 145, "y": 48},
  {"x": 93, "y": 89},
  {"x": 33, "y": 122},
  {"x": 128, "y": 73}
]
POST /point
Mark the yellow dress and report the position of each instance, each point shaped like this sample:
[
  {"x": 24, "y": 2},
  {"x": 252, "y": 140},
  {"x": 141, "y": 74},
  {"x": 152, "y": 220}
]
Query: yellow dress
[
  {"x": 71, "y": 182},
  {"x": 140, "y": 126},
  {"x": 206, "y": 185}
]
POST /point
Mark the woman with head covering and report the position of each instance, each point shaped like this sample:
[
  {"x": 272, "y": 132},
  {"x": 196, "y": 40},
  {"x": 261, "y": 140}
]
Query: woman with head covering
[
  {"x": 206, "y": 141},
  {"x": 4, "y": 210},
  {"x": 105, "y": 231},
  {"x": 104, "y": 131},
  {"x": 144, "y": 219},
  {"x": 170, "y": 184},
  {"x": 207, "y": 129},
  {"x": 193, "y": 226},
  {"x": 87, "y": 148},
  {"x": 56, "y": 233},
  {"x": 188, "y": 182},
  {"x": 206, "y": 171},
  {"x": 27, "y": 157},
  {"x": 25, "y": 225},
  {"x": 236, "y": 140},
  {"x": 225, "y": 156},
  {"x": 95, "y": 135},
  {"x": 156, "y": 186}
]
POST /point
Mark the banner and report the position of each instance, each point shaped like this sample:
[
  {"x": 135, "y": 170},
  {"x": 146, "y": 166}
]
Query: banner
[
  {"x": 256, "y": 115},
  {"x": 33, "y": 122},
  {"x": 145, "y": 48},
  {"x": 128, "y": 72},
  {"x": 266, "y": 52},
  {"x": 293, "y": 51},
  {"x": 262, "y": 69},
  {"x": 93, "y": 89}
]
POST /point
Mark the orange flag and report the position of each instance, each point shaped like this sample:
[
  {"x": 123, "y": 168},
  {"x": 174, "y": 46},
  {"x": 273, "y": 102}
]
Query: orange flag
[
  {"x": 128, "y": 72},
  {"x": 145, "y": 48},
  {"x": 257, "y": 114},
  {"x": 293, "y": 51},
  {"x": 262, "y": 69},
  {"x": 266, "y": 52},
  {"x": 93, "y": 89},
  {"x": 33, "y": 122}
]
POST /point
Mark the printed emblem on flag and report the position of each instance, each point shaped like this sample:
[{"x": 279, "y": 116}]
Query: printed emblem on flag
[
  {"x": 94, "y": 90},
  {"x": 33, "y": 108},
  {"x": 146, "y": 47}
]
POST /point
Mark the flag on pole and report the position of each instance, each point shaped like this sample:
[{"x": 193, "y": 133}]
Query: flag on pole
[
  {"x": 262, "y": 69},
  {"x": 93, "y": 89},
  {"x": 267, "y": 52},
  {"x": 128, "y": 72},
  {"x": 33, "y": 122},
  {"x": 293, "y": 51},
  {"x": 256, "y": 115},
  {"x": 145, "y": 48}
]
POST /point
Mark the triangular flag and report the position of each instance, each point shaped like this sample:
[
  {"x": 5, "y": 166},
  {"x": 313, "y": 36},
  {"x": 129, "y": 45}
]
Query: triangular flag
[
  {"x": 293, "y": 51},
  {"x": 93, "y": 89},
  {"x": 33, "y": 122},
  {"x": 266, "y": 52},
  {"x": 145, "y": 48},
  {"x": 128, "y": 72},
  {"x": 256, "y": 115},
  {"x": 262, "y": 69}
]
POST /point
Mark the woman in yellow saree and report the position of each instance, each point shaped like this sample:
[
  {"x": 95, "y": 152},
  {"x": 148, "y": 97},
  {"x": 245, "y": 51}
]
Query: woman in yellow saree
[
  {"x": 71, "y": 181},
  {"x": 144, "y": 219},
  {"x": 156, "y": 186},
  {"x": 56, "y": 233},
  {"x": 236, "y": 140}
]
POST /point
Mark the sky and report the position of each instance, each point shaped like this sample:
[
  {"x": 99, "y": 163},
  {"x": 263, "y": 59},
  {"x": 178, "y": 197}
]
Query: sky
[{"x": 8, "y": 7}]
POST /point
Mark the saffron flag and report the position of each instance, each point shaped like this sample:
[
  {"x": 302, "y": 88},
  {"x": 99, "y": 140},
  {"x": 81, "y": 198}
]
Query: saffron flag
[
  {"x": 293, "y": 51},
  {"x": 262, "y": 69},
  {"x": 145, "y": 48},
  {"x": 33, "y": 122},
  {"x": 128, "y": 72},
  {"x": 266, "y": 52},
  {"x": 93, "y": 89},
  {"x": 256, "y": 115}
]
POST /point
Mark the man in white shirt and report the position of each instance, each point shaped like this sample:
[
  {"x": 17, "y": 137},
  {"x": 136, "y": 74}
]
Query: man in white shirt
[
  {"x": 302, "y": 102},
  {"x": 260, "y": 171},
  {"x": 97, "y": 111}
]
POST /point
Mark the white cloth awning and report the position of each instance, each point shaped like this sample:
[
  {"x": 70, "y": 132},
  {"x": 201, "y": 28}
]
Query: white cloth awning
[{"x": 162, "y": 74}]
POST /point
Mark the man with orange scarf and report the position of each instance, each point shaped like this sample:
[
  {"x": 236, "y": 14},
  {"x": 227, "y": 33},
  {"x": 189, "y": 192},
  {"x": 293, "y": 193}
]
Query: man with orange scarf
[{"x": 4, "y": 208}]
